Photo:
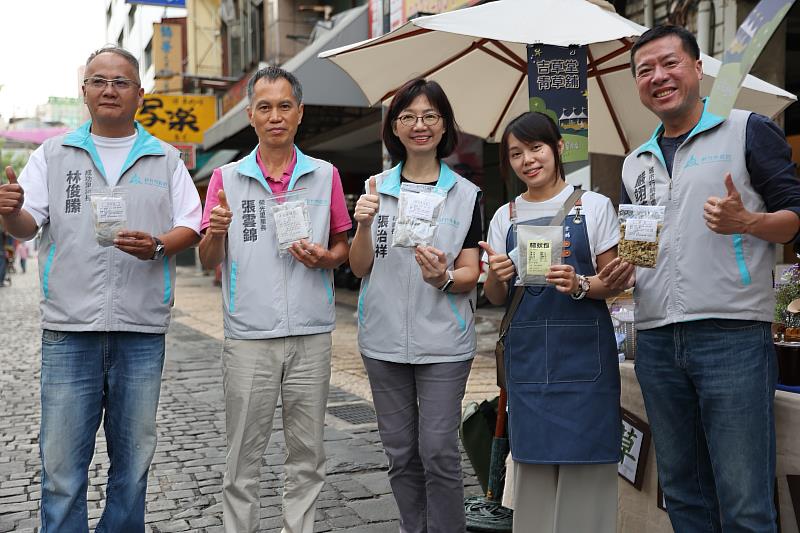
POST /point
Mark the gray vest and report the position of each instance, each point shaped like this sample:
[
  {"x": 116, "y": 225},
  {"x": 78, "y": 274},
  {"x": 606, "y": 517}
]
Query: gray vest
[
  {"x": 700, "y": 274},
  {"x": 86, "y": 287},
  {"x": 265, "y": 295},
  {"x": 401, "y": 318}
]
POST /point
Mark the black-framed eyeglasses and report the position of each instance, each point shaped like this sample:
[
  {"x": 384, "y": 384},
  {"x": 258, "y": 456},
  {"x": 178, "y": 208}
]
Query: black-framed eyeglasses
[
  {"x": 429, "y": 119},
  {"x": 99, "y": 83}
]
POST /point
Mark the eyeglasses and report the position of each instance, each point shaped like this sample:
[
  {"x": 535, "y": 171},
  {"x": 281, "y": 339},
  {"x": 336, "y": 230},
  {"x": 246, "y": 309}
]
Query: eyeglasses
[
  {"x": 429, "y": 119},
  {"x": 120, "y": 84}
]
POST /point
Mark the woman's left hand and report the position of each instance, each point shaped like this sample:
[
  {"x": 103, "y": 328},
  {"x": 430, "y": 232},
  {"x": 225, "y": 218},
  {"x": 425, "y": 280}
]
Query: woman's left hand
[
  {"x": 563, "y": 278},
  {"x": 433, "y": 264}
]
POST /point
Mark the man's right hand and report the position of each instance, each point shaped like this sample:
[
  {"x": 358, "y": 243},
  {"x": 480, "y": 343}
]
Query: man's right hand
[
  {"x": 367, "y": 206},
  {"x": 221, "y": 217},
  {"x": 500, "y": 266},
  {"x": 11, "y": 195}
]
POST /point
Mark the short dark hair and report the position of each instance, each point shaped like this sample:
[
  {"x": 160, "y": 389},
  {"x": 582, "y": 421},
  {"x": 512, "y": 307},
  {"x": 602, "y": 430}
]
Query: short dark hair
[
  {"x": 118, "y": 50},
  {"x": 665, "y": 30},
  {"x": 272, "y": 73},
  {"x": 531, "y": 127},
  {"x": 402, "y": 99}
]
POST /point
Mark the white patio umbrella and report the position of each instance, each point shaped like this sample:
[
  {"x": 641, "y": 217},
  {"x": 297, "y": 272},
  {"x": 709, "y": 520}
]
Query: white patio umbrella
[{"x": 479, "y": 56}]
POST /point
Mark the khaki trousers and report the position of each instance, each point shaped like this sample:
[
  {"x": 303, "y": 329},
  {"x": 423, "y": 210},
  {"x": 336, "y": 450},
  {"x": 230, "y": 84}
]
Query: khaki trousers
[
  {"x": 255, "y": 372},
  {"x": 565, "y": 498}
]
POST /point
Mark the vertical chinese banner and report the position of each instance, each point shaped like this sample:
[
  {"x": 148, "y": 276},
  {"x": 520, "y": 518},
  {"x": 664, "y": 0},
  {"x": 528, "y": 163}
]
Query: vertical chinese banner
[
  {"x": 739, "y": 57},
  {"x": 168, "y": 57},
  {"x": 396, "y": 14},
  {"x": 557, "y": 86},
  {"x": 375, "y": 9}
]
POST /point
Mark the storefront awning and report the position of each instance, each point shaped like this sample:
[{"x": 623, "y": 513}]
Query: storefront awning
[
  {"x": 323, "y": 82},
  {"x": 219, "y": 158}
]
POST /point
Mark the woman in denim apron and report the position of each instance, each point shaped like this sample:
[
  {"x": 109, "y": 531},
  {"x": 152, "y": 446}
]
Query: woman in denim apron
[{"x": 561, "y": 360}]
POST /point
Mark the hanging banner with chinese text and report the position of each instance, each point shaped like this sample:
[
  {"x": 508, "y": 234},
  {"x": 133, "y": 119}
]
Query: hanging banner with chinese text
[
  {"x": 739, "y": 57},
  {"x": 168, "y": 57},
  {"x": 557, "y": 86},
  {"x": 178, "y": 118}
]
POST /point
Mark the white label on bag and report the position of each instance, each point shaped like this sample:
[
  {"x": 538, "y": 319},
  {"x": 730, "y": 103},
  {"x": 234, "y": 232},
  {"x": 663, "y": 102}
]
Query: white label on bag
[
  {"x": 290, "y": 224},
  {"x": 110, "y": 209},
  {"x": 420, "y": 206},
  {"x": 641, "y": 229}
]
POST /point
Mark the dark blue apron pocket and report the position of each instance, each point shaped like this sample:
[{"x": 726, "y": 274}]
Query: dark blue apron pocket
[
  {"x": 553, "y": 351},
  {"x": 573, "y": 351},
  {"x": 526, "y": 357}
]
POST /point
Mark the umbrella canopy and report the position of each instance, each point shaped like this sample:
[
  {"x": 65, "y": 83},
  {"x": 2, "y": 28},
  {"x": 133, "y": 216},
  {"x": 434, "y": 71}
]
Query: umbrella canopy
[{"x": 479, "y": 56}]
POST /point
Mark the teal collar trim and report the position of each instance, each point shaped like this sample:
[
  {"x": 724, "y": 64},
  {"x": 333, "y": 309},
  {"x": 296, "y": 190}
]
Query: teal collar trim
[
  {"x": 249, "y": 167},
  {"x": 304, "y": 165},
  {"x": 390, "y": 185},
  {"x": 144, "y": 145},
  {"x": 707, "y": 121}
]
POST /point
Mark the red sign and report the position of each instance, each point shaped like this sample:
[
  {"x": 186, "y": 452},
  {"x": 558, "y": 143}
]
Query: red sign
[{"x": 188, "y": 154}]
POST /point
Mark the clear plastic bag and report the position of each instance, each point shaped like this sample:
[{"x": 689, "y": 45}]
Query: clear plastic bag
[
  {"x": 539, "y": 245},
  {"x": 292, "y": 218},
  {"x": 539, "y": 248},
  {"x": 110, "y": 215},
  {"x": 639, "y": 232},
  {"x": 418, "y": 214}
]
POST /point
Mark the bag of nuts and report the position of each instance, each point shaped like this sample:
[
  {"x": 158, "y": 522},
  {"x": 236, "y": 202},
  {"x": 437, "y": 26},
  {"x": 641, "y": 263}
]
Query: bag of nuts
[{"x": 639, "y": 232}]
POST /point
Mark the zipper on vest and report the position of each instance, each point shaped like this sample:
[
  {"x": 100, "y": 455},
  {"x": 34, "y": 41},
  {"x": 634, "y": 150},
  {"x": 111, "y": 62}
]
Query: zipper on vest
[
  {"x": 286, "y": 296},
  {"x": 109, "y": 286},
  {"x": 408, "y": 315}
]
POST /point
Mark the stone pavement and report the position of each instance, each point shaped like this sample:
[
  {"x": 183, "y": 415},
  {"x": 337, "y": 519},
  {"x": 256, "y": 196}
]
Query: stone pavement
[{"x": 186, "y": 475}]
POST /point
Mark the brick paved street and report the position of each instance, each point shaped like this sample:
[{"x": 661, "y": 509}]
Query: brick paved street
[{"x": 186, "y": 475}]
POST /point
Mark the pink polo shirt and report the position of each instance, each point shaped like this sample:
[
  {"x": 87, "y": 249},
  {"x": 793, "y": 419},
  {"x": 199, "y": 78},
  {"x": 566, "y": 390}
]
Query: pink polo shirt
[{"x": 340, "y": 218}]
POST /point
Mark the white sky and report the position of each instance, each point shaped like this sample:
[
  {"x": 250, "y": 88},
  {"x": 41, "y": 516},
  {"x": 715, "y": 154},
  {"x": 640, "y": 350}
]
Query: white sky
[{"x": 42, "y": 44}]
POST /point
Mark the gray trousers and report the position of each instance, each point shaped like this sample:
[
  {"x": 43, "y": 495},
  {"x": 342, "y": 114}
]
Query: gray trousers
[
  {"x": 419, "y": 411},
  {"x": 565, "y": 498},
  {"x": 254, "y": 373}
]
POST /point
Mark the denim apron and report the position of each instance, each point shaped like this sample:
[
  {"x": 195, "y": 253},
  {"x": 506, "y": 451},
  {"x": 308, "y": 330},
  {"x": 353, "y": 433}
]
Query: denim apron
[{"x": 562, "y": 369}]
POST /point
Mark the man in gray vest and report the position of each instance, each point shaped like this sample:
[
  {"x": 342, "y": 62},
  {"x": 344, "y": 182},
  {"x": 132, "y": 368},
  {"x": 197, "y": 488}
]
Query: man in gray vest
[
  {"x": 106, "y": 292},
  {"x": 705, "y": 359},
  {"x": 277, "y": 301}
]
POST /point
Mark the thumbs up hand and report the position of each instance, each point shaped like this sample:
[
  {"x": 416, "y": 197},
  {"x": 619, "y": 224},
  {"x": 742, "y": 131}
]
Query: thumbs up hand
[
  {"x": 727, "y": 215},
  {"x": 367, "y": 205},
  {"x": 11, "y": 195},
  {"x": 500, "y": 266},
  {"x": 221, "y": 216}
]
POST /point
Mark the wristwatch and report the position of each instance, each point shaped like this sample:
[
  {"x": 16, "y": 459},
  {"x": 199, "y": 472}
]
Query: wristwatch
[
  {"x": 159, "y": 251},
  {"x": 583, "y": 288},
  {"x": 449, "y": 282}
]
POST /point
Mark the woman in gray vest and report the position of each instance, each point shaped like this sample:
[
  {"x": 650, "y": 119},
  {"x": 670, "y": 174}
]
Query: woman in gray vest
[
  {"x": 415, "y": 311},
  {"x": 561, "y": 365}
]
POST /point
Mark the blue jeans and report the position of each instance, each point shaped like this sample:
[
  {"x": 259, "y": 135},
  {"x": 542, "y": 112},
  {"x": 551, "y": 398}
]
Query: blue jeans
[
  {"x": 86, "y": 376},
  {"x": 708, "y": 389}
]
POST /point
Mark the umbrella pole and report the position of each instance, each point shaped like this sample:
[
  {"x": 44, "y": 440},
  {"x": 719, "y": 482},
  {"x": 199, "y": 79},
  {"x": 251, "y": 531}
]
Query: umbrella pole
[{"x": 488, "y": 514}]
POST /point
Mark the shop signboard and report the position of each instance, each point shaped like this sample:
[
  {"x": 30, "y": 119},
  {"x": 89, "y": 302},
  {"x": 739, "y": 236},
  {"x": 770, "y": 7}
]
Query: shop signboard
[
  {"x": 558, "y": 87},
  {"x": 168, "y": 57},
  {"x": 178, "y": 118}
]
